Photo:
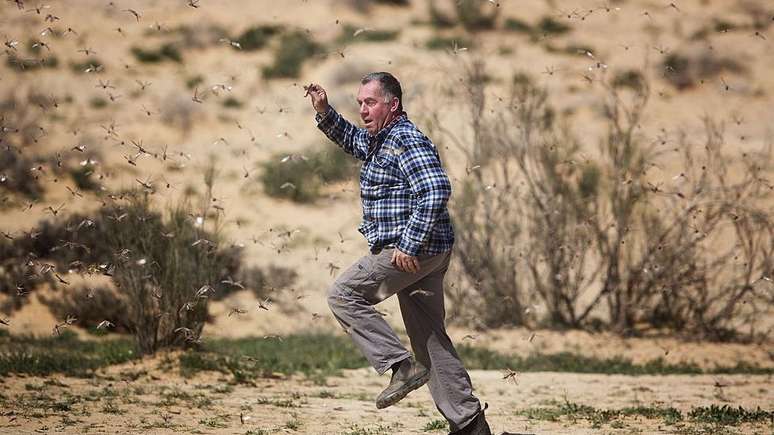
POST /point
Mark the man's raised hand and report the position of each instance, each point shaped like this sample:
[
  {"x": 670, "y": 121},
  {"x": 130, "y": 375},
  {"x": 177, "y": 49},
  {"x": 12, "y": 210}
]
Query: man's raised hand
[{"x": 319, "y": 98}]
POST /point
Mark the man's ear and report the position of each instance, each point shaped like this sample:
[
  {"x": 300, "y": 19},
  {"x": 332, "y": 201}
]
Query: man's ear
[{"x": 395, "y": 104}]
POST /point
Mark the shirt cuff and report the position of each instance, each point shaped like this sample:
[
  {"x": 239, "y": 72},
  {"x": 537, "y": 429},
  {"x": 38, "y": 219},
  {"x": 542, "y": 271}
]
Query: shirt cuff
[
  {"x": 324, "y": 118},
  {"x": 408, "y": 247}
]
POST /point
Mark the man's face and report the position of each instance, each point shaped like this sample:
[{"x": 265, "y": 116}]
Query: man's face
[{"x": 374, "y": 112}]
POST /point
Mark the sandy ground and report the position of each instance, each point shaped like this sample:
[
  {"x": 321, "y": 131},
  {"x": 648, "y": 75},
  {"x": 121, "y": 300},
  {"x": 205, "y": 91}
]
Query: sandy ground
[{"x": 137, "y": 398}]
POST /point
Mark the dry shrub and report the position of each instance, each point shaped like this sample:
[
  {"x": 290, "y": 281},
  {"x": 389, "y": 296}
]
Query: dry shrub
[{"x": 593, "y": 241}]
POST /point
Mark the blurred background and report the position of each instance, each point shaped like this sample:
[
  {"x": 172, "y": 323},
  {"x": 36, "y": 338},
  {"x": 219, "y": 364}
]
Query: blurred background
[{"x": 163, "y": 182}]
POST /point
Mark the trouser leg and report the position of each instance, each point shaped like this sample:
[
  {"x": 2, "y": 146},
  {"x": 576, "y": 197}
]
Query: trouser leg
[
  {"x": 369, "y": 331},
  {"x": 366, "y": 283},
  {"x": 422, "y": 307}
]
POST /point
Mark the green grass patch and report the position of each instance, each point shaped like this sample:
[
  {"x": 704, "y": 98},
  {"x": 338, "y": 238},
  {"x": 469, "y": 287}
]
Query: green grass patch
[
  {"x": 314, "y": 355},
  {"x": 728, "y": 416},
  {"x": 247, "y": 358},
  {"x": 715, "y": 415},
  {"x": 380, "y": 429},
  {"x": 61, "y": 354},
  {"x": 599, "y": 417},
  {"x": 436, "y": 425}
]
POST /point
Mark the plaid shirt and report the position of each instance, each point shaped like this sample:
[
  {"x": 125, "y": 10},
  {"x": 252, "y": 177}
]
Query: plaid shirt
[{"x": 403, "y": 187}]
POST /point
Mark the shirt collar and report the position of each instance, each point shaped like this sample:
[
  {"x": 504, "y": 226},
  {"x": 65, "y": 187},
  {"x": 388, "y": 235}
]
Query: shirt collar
[{"x": 381, "y": 134}]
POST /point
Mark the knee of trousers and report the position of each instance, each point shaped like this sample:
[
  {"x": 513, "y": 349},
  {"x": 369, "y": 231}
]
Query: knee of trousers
[{"x": 337, "y": 297}]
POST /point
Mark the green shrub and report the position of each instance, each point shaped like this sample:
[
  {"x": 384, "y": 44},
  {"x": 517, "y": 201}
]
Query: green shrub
[
  {"x": 301, "y": 179},
  {"x": 256, "y": 37},
  {"x": 31, "y": 64},
  {"x": 632, "y": 79},
  {"x": 438, "y": 42},
  {"x": 472, "y": 14},
  {"x": 232, "y": 103},
  {"x": 167, "y": 51},
  {"x": 81, "y": 67},
  {"x": 194, "y": 81},
  {"x": 686, "y": 71},
  {"x": 517, "y": 25},
  {"x": 550, "y": 26},
  {"x": 98, "y": 102},
  {"x": 347, "y": 35},
  {"x": 81, "y": 176},
  {"x": 294, "y": 48}
]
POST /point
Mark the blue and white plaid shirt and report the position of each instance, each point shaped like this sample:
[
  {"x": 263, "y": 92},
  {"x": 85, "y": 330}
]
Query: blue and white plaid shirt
[{"x": 403, "y": 187}]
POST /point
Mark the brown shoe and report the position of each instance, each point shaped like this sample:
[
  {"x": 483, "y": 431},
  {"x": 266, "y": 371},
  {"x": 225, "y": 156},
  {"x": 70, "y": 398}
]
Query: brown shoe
[{"x": 409, "y": 376}]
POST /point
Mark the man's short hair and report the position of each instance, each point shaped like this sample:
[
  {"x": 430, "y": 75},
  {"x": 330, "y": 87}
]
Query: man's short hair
[{"x": 390, "y": 86}]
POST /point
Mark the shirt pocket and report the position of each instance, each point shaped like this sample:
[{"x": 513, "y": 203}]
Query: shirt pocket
[{"x": 386, "y": 161}]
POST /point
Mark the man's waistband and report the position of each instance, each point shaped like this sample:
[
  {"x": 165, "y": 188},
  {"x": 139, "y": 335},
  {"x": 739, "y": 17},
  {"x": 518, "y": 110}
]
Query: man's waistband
[{"x": 377, "y": 249}]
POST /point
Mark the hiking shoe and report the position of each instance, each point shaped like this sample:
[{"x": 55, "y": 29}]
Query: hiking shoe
[
  {"x": 409, "y": 376},
  {"x": 478, "y": 426}
]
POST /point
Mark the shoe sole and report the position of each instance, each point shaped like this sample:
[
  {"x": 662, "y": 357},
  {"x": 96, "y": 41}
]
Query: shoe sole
[{"x": 400, "y": 394}]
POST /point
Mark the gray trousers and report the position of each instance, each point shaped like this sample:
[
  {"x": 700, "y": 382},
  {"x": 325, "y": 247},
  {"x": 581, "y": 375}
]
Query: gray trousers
[{"x": 373, "y": 279}]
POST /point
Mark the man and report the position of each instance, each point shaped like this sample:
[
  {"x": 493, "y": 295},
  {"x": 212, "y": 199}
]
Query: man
[{"x": 404, "y": 191}]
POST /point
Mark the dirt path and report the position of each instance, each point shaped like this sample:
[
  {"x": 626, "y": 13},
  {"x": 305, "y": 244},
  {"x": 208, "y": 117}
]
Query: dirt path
[{"x": 142, "y": 398}]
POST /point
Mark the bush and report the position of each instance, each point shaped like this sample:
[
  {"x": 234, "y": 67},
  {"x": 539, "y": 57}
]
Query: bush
[
  {"x": 92, "y": 62},
  {"x": 165, "y": 279},
  {"x": 550, "y": 26},
  {"x": 98, "y": 102},
  {"x": 91, "y": 306},
  {"x": 31, "y": 64},
  {"x": 686, "y": 71},
  {"x": 232, "y": 103},
  {"x": 256, "y": 37},
  {"x": 632, "y": 79},
  {"x": 365, "y": 5},
  {"x": 438, "y": 42},
  {"x": 301, "y": 179},
  {"x": 658, "y": 266},
  {"x": 165, "y": 52},
  {"x": 472, "y": 14},
  {"x": 347, "y": 35},
  {"x": 294, "y": 48},
  {"x": 517, "y": 25},
  {"x": 21, "y": 121},
  {"x": 81, "y": 176}
]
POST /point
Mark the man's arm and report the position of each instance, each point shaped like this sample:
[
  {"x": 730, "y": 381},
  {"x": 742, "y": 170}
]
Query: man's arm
[
  {"x": 350, "y": 138},
  {"x": 429, "y": 182}
]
